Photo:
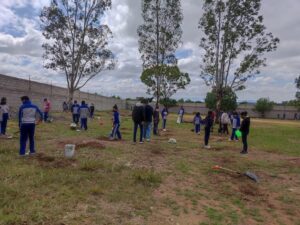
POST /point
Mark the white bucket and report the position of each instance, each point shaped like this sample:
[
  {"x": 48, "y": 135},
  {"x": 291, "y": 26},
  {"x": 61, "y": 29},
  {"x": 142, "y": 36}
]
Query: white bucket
[{"x": 69, "y": 151}]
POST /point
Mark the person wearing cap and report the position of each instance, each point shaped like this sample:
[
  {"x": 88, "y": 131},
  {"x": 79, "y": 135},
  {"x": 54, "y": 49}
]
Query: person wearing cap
[
  {"x": 245, "y": 129},
  {"x": 83, "y": 112},
  {"x": 116, "y": 134},
  {"x": 27, "y": 120}
]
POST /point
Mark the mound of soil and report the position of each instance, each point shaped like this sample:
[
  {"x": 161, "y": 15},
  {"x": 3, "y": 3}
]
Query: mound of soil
[
  {"x": 82, "y": 143},
  {"x": 90, "y": 144}
]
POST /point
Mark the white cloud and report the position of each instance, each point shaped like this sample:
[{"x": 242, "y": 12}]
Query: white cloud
[{"x": 20, "y": 49}]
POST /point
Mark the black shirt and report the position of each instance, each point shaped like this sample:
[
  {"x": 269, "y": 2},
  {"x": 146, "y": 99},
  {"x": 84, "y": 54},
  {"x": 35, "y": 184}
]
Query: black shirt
[
  {"x": 148, "y": 113},
  {"x": 245, "y": 126}
]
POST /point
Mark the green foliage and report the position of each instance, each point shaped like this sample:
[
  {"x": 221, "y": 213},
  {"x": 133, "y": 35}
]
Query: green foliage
[
  {"x": 228, "y": 101},
  {"x": 235, "y": 40},
  {"x": 170, "y": 81},
  {"x": 159, "y": 37},
  {"x": 76, "y": 40},
  {"x": 264, "y": 105},
  {"x": 167, "y": 102},
  {"x": 295, "y": 103}
]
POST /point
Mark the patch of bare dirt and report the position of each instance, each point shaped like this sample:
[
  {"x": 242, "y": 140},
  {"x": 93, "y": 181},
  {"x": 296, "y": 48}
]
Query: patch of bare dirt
[{"x": 53, "y": 162}]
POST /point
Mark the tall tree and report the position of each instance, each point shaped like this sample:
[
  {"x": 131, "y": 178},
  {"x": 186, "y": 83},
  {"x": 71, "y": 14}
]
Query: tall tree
[
  {"x": 171, "y": 80},
  {"x": 234, "y": 43},
  {"x": 76, "y": 40},
  {"x": 297, "y": 82},
  {"x": 159, "y": 37}
]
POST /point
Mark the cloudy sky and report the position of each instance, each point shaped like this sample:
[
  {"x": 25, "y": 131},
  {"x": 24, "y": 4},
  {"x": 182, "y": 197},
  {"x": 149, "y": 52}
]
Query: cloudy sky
[{"x": 21, "y": 40}]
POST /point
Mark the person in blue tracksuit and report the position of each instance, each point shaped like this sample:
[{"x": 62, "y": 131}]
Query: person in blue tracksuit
[
  {"x": 5, "y": 115},
  {"x": 27, "y": 118},
  {"x": 83, "y": 113},
  {"x": 116, "y": 134},
  {"x": 75, "y": 112},
  {"x": 197, "y": 122},
  {"x": 164, "y": 116},
  {"x": 236, "y": 123}
]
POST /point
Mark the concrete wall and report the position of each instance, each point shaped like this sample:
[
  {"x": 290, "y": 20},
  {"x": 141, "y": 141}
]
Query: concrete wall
[
  {"x": 289, "y": 111},
  {"x": 13, "y": 88}
]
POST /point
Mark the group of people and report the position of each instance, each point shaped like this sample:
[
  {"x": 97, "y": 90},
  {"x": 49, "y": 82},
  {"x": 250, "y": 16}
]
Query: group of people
[
  {"x": 225, "y": 120},
  {"x": 145, "y": 118},
  {"x": 82, "y": 112}
]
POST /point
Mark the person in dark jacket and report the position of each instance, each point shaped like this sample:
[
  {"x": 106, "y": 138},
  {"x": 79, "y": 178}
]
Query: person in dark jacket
[
  {"x": 116, "y": 134},
  {"x": 156, "y": 120},
  {"x": 92, "y": 110},
  {"x": 245, "y": 129},
  {"x": 138, "y": 117},
  {"x": 75, "y": 112},
  {"x": 208, "y": 122},
  {"x": 27, "y": 119},
  {"x": 148, "y": 121}
]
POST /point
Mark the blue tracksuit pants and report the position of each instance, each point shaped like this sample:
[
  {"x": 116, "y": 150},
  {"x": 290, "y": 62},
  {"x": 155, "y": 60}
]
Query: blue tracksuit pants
[{"x": 27, "y": 132}]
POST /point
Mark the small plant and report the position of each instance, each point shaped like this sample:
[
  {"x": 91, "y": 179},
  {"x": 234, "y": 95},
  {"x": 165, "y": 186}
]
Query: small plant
[{"x": 147, "y": 178}]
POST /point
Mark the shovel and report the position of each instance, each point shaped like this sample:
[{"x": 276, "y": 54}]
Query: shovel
[{"x": 248, "y": 174}]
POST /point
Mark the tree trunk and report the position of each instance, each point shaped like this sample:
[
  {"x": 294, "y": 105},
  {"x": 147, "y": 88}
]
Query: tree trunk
[
  {"x": 71, "y": 95},
  {"x": 218, "y": 105}
]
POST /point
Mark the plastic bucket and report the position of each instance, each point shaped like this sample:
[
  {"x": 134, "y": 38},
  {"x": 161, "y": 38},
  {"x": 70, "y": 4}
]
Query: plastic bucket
[{"x": 69, "y": 151}]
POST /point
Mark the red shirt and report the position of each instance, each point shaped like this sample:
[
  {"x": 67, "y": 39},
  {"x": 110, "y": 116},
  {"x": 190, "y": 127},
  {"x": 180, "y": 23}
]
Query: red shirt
[{"x": 47, "y": 106}]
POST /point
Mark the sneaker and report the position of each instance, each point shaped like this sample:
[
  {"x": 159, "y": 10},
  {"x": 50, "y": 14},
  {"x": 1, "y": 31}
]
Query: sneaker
[
  {"x": 207, "y": 146},
  {"x": 148, "y": 140},
  {"x": 230, "y": 139},
  {"x": 244, "y": 152},
  {"x": 32, "y": 153},
  {"x": 141, "y": 142},
  {"x": 164, "y": 129}
]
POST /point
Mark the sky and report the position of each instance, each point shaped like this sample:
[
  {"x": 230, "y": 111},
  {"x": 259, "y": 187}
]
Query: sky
[{"x": 21, "y": 51}]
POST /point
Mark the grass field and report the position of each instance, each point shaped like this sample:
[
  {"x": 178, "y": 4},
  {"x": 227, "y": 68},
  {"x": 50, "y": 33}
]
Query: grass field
[{"x": 156, "y": 183}]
